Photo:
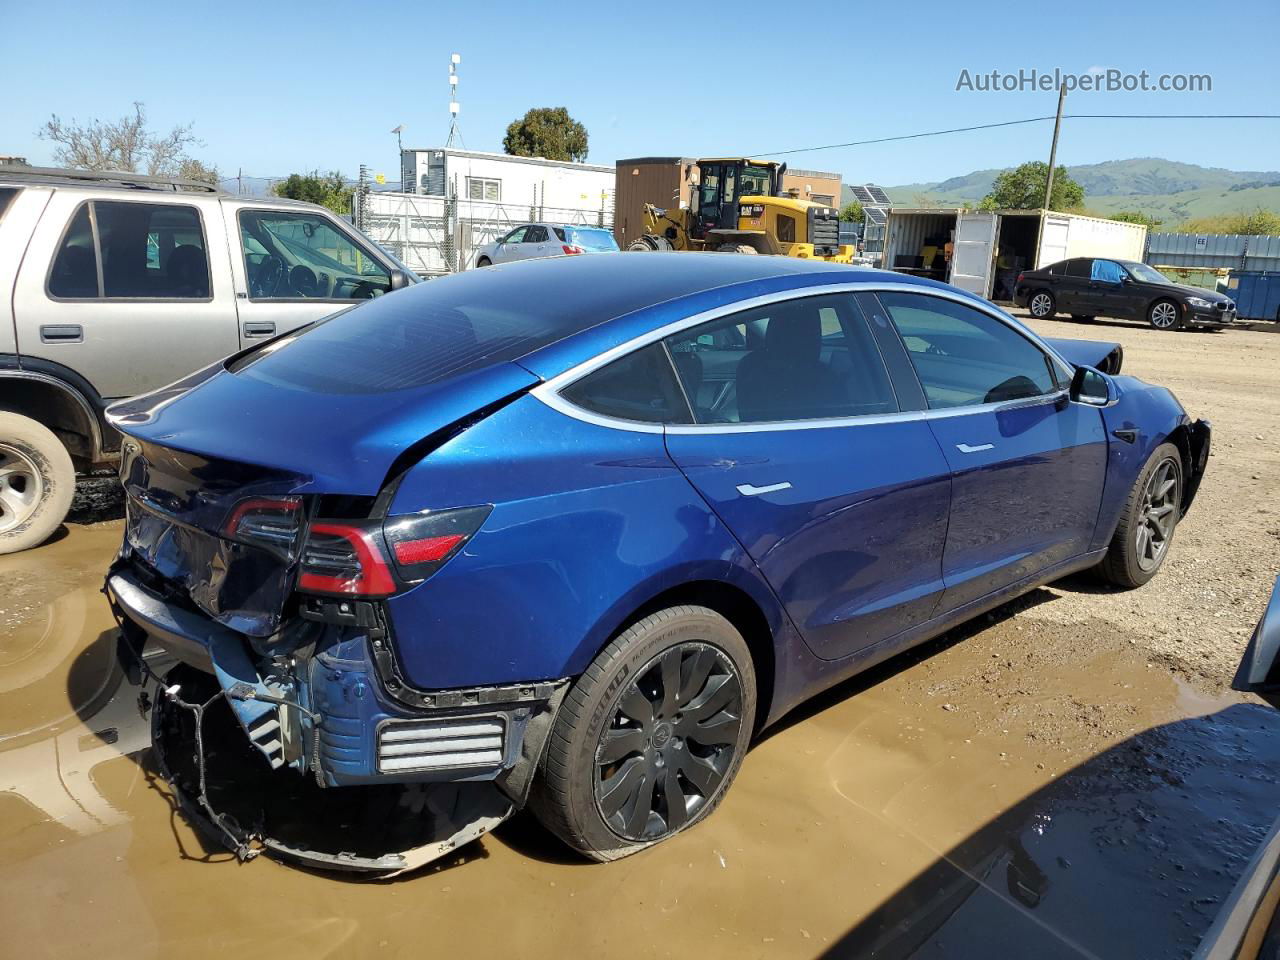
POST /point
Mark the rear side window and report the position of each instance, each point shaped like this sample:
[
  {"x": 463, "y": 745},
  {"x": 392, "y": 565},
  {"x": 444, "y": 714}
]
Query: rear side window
[
  {"x": 6, "y": 197},
  {"x": 804, "y": 359},
  {"x": 536, "y": 235},
  {"x": 640, "y": 386},
  {"x": 1079, "y": 268},
  {"x": 132, "y": 251},
  {"x": 964, "y": 357}
]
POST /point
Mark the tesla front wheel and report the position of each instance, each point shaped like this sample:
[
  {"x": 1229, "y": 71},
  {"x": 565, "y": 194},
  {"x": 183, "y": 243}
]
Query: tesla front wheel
[
  {"x": 1151, "y": 514},
  {"x": 1042, "y": 306},
  {"x": 650, "y": 736}
]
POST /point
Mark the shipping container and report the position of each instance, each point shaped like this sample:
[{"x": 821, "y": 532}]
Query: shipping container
[
  {"x": 1256, "y": 293},
  {"x": 984, "y": 250}
]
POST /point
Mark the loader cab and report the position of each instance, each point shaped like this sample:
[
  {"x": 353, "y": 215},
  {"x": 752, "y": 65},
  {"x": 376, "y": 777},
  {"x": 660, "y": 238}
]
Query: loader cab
[{"x": 722, "y": 183}]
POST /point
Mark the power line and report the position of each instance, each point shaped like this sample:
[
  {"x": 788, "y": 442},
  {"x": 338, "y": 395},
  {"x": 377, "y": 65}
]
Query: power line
[{"x": 1014, "y": 123}]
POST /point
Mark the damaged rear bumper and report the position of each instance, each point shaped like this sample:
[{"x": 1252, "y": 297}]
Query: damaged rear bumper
[{"x": 322, "y": 711}]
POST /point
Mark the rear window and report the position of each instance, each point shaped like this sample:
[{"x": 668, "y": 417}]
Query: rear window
[{"x": 412, "y": 338}]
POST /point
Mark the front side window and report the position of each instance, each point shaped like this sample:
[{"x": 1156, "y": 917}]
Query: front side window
[
  {"x": 964, "y": 357},
  {"x": 146, "y": 251},
  {"x": 640, "y": 386},
  {"x": 804, "y": 359},
  {"x": 291, "y": 256},
  {"x": 479, "y": 188},
  {"x": 1107, "y": 271},
  {"x": 515, "y": 236}
]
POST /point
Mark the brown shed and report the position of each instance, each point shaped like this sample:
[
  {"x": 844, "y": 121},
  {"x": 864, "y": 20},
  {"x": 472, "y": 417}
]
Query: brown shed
[
  {"x": 662, "y": 181},
  {"x": 814, "y": 185}
]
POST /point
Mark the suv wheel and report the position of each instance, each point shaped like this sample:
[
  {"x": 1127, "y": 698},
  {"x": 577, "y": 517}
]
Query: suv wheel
[
  {"x": 37, "y": 482},
  {"x": 1164, "y": 315},
  {"x": 1042, "y": 305},
  {"x": 649, "y": 738}
]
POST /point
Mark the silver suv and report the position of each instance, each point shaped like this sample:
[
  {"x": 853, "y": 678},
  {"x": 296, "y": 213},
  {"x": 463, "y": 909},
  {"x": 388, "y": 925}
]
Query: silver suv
[{"x": 115, "y": 284}]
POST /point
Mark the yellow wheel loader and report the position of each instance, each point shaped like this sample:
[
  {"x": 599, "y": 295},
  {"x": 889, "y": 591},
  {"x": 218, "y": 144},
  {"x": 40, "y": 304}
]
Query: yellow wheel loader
[{"x": 738, "y": 207}]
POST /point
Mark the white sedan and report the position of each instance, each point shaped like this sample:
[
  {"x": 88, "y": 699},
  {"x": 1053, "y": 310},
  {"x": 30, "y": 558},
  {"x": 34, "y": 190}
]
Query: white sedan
[{"x": 531, "y": 240}]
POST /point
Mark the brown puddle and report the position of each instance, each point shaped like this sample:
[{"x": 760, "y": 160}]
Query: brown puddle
[{"x": 1031, "y": 790}]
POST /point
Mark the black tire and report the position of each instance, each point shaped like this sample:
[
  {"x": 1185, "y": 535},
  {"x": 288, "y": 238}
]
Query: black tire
[
  {"x": 736, "y": 248},
  {"x": 596, "y": 721},
  {"x": 484, "y": 262},
  {"x": 1127, "y": 564},
  {"x": 1042, "y": 304},
  {"x": 645, "y": 244},
  {"x": 1165, "y": 315},
  {"x": 37, "y": 481}
]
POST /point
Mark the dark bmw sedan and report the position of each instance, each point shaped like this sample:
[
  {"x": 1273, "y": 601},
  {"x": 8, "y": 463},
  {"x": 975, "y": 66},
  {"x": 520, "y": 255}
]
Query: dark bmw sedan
[
  {"x": 1088, "y": 287},
  {"x": 570, "y": 532}
]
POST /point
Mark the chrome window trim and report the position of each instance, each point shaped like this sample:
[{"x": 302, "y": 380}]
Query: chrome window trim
[{"x": 549, "y": 392}]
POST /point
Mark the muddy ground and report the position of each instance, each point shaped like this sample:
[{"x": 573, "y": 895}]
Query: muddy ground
[{"x": 1066, "y": 777}]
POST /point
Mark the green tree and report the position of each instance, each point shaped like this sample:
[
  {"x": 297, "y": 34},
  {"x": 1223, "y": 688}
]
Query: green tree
[
  {"x": 1259, "y": 222},
  {"x": 1022, "y": 188},
  {"x": 547, "y": 132},
  {"x": 1134, "y": 216},
  {"x": 328, "y": 190},
  {"x": 852, "y": 211}
]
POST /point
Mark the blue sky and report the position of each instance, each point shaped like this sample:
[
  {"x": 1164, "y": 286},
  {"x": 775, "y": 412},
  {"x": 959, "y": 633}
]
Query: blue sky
[{"x": 274, "y": 87}]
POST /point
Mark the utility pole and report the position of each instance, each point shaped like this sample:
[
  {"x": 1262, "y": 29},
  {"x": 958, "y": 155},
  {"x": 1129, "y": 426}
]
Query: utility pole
[{"x": 1048, "y": 183}]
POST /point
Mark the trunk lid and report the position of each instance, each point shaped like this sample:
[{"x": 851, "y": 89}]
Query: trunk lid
[{"x": 197, "y": 451}]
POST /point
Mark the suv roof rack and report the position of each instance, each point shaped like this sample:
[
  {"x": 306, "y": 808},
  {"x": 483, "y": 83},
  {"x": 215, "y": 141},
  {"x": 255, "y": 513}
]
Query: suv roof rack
[{"x": 114, "y": 178}]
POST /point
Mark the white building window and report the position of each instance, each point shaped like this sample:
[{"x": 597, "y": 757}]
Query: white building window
[{"x": 481, "y": 189}]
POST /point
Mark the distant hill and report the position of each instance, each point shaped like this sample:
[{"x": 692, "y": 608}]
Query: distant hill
[{"x": 1165, "y": 189}]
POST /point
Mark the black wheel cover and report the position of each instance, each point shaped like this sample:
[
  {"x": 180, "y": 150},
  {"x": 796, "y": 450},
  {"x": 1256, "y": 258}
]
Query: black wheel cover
[{"x": 671, "y": 739}]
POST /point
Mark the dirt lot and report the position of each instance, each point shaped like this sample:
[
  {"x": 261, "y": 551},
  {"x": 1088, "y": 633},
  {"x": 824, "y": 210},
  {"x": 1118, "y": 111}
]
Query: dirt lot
[
  {"x": 1066, "y": 777},
  {"x": 1197, "y": 615}
]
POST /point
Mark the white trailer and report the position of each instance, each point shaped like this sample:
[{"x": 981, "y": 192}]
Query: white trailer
[{"x": 983, "y": 250}]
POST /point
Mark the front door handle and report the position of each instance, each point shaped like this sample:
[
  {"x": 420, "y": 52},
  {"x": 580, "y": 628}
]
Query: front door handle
[
  {"x": 260, "y": 328},
  {"x": 966, "y": 448},
  {"x": 61, "y": 333},
  {"x": 751, "y": 490}
]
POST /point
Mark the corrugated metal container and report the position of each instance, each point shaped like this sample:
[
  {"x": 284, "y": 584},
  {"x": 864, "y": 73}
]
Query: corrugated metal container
[
  {"x": 1263, "y": 254},
  {"x": 1256, "y": 293},
  {"x": 1196, "y": 250}
]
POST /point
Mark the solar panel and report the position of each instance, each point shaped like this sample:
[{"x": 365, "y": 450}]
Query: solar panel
[
  {"x": 874, "y": 214},
  {"x": 877, "y": 194},
  {"x": 862, "y": 194}
]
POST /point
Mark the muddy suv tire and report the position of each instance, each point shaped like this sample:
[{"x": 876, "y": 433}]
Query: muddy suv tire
[
  {"x": 630, "y": 761},
  {"x": 1151, "y": 514},
  {"x": 37, "y": 482}
]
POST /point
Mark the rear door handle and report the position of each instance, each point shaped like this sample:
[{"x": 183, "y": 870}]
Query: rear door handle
[
  {"x": 966, "y": 448},
  {"x": 260, "y": 328},
  {"x": 751, "y": 490},
  {"x": 61, "y": 333}
]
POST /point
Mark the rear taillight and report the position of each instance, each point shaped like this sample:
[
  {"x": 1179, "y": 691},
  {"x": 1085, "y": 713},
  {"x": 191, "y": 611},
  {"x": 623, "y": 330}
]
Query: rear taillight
[
  {"x": 368, "y": 558},
  {"x": 571, "y": 249},
  {"x": 346, "y": 559},
  {"x": 270, "y": 523},
  {"x": 1020, "y": 276},
  {"x": 421, "y": 543}
]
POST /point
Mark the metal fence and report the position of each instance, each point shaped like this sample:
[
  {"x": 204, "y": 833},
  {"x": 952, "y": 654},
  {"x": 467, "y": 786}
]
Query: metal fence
[
  {"x": 438, "y": 235},
  {"x": 1213, "y": 251}
]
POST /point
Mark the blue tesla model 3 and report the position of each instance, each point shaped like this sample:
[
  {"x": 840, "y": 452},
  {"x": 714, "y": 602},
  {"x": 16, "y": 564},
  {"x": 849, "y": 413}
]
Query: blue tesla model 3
[{"x": 570, "y": 532}]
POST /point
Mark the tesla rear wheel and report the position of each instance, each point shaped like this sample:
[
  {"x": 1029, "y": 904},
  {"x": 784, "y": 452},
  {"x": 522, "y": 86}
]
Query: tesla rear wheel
[
  {"x": 1151, "y": 514},
  {"x": 649, "y": 738},
  {"x": 37, "y": 481},
  {"x": 1042, "y": 305},
  {"x": 1164, "y": 315}
]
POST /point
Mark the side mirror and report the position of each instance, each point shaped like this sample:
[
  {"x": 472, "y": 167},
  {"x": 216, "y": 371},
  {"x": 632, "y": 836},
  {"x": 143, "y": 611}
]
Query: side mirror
[
  {"x": 1092, "y": 387},
  {"x": 1259, "y": 670},
  {"x": 400, "y": 280}
]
